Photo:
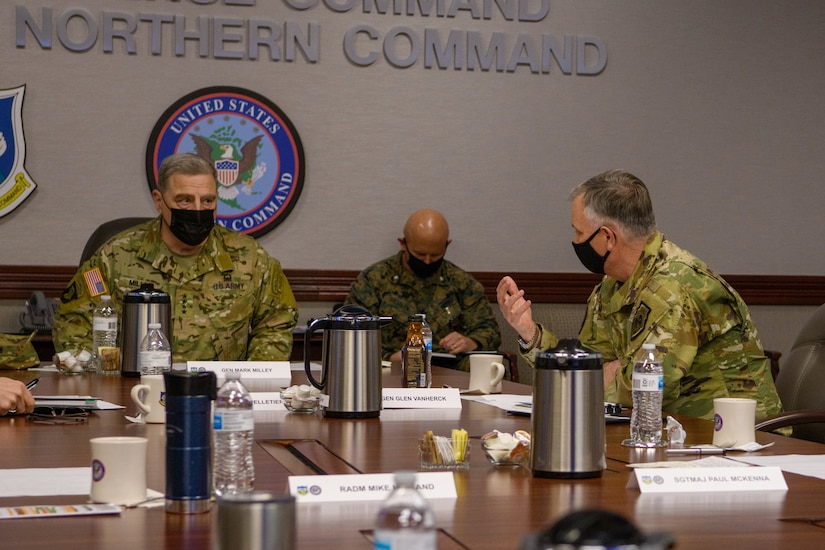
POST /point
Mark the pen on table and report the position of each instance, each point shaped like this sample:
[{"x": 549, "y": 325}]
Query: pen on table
[
  {"x": 32, "y": 383},
  {"x": 696, "y": 451},
  {"x": 525, "y": 404}
]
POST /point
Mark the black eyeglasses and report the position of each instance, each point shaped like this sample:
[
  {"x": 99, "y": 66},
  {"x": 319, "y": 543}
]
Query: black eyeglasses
[{"x": 50, "y": 415}]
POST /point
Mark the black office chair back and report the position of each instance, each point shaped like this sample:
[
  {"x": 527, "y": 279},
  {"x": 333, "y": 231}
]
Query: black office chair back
[
  {"x": 106, "y": 231},
  {"x": 801, "y": 381}
]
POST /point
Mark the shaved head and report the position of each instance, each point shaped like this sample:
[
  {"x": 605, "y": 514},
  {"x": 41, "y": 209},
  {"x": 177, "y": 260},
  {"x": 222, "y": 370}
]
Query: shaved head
[
  {"x": 427, "y": 225},
  {"x": 426, "y": 236}
]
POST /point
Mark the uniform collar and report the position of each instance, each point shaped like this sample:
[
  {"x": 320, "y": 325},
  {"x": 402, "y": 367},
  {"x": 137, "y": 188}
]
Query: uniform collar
[
  {"x": 155, "y": 251},
  {"x": 402, "y": 275},
  {"x": 619, "y": 295}
]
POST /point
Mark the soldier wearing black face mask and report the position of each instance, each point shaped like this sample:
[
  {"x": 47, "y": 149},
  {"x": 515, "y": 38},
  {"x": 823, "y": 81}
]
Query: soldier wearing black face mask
[
  {"x": 419, "y": 280},
  {"x": 652, "y": 292},
  {"x": 230, "y": 300}
]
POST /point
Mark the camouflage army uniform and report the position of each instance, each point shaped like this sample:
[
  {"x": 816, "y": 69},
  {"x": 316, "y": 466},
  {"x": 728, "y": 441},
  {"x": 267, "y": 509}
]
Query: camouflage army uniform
[
  {"x": 233, "y": 303},
  {"x": 451, "y": 298},
  {"x": 675, "y": 301}
]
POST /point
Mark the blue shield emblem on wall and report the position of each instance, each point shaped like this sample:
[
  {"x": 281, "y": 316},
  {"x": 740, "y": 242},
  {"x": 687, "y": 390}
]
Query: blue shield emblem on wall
[
  {"x": 15, "y": 183},
  {"x": 227, "y": 171}
]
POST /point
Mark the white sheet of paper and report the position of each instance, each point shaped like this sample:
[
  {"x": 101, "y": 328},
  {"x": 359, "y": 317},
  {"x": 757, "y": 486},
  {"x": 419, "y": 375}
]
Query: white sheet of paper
[
  {"x": 505, "y": 401},
  {"x": 40, "y": 482},
  {"x": 804, "y": 465},
  {"x": 35, "y": 482}
]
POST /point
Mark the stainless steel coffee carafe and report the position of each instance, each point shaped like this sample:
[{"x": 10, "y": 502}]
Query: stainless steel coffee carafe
[
  {"x": 568, "y": 413},
  {"x": 350, "y": 362},
  {"x": 141, "y": 306}
]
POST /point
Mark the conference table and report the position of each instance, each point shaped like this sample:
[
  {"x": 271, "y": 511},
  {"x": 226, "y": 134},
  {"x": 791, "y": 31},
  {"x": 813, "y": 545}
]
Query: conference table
[{"x": 494, "y": 509}]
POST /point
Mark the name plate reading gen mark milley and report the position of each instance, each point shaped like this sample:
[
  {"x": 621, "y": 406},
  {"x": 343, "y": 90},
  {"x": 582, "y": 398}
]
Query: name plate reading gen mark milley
[
  {"x": 343, "y": 488},
  {"x": 263, "y": 375},
  {"x": 421, "y": 398}
]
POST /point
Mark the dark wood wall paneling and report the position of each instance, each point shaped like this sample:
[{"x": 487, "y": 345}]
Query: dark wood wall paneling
[{"x": 310, "y": 285}]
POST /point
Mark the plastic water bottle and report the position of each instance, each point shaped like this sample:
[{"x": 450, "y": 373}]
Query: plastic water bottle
[
  {"x": 233, "y": 428},
  {"x": 155, "y": 355},
  {"x": 405, "y": 520},
  {"x": 104, "y": 331},
  {"x": 648, "y": 388},
  {"x": 427, "y": 332}
]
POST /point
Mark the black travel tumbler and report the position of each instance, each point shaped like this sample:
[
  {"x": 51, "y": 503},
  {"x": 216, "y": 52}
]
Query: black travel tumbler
[{"x": 189, "y": 397}]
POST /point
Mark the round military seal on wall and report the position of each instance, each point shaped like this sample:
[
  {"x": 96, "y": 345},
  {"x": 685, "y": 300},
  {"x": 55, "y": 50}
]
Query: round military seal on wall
[{"x": 255, "y": 148}]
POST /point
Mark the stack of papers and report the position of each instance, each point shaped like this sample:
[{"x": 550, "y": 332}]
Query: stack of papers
[{"x": 86, "y": 402}]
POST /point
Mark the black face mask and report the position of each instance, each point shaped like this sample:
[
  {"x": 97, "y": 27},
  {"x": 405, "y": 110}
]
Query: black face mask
[
  {"x": 191, "y": 227},
  {"x": 589, "y": 257},
  {"x": 421, "y": 268}
]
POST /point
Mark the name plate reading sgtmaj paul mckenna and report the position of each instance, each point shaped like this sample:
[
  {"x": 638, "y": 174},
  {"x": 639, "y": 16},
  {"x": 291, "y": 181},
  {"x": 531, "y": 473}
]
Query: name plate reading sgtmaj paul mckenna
[
  {"x": 342, "y": 488},
  {"x": 421, "y": 398},
  {"x": 704, "y": 480}
]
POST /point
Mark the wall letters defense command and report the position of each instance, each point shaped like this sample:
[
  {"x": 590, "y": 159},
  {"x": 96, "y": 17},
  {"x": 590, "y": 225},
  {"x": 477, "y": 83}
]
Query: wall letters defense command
[{"x": 261, "y": 38}]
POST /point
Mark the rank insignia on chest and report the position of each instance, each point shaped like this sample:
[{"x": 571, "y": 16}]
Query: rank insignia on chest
[{"x": 639, "y": 321}]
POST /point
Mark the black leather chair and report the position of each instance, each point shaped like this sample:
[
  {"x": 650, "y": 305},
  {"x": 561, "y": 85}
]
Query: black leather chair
[
  {"x": 106, "y": 231},
  {"x": 801, "y": 383}
]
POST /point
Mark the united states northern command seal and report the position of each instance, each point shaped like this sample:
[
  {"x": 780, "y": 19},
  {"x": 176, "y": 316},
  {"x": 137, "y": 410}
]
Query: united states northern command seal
[
  {"x": 15, "y": 182},
  {"x": 255, "y": 148}
]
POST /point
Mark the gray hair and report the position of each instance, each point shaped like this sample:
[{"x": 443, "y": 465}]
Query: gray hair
[
  {"x": 184, "y": 163},
  {"x": 620, "y": 197}
]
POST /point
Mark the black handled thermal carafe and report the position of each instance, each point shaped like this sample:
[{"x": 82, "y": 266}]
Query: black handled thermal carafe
[
  {"x": 140, "y": 307},
  {"x": 568, "y": 413}
]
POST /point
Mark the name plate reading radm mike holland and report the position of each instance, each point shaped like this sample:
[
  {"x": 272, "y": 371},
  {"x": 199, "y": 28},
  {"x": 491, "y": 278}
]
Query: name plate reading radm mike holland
[{"x": 342, "y": 488}]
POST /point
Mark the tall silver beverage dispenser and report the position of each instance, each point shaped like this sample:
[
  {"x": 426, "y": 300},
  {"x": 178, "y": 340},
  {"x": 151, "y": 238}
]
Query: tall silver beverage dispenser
[
  {"x": 568, "y": 413},
  {"x": 351, "y": 362},
  {"x": 141, "y": 306}
]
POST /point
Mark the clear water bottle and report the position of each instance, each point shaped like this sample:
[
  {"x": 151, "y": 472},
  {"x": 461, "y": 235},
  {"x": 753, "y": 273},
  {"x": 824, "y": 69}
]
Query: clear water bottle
[
  {"x": 155, "y": 355},
  {"x": 104, "y": 331},
  {"x": 648, "y": 388},
  {"x": 234, "y": 424},
  {"x": 405, "y": 520},
  {"x": 427, "y": 332}
]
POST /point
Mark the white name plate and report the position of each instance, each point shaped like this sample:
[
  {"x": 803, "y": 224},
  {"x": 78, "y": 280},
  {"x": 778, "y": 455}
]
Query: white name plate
[
  {"x": 255, "y": 375},
  {"x": 267, "y": 401},
  {"x": 421, "y": 398},
  {"x": 704, "y": 480},
  {"x": 343, "y": 488}
]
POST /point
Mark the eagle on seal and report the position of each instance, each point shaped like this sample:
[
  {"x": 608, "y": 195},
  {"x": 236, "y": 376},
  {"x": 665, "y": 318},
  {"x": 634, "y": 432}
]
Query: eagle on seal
[{"x": 231, "y": 170}]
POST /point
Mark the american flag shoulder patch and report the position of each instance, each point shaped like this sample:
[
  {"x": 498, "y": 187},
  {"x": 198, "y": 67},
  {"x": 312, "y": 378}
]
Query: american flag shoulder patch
[{"x": 94, "y": 282}]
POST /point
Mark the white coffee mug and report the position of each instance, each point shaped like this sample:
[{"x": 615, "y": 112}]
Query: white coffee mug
[
  {"x": 150, "y": 398},
  {"x": 118, "y": 469},
  {"x": 734, "y": 420},
  {"x": 486, "y": 372}
]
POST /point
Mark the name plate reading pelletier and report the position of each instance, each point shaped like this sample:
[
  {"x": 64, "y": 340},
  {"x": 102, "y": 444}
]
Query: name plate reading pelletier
[
  {"x": 343, "y": 488},
  {"x": 276, "y": 374},
  {"x": 267, "y": 401},
  {"x": 421, "y": 398},
  {"x": 705, "y": 480}
]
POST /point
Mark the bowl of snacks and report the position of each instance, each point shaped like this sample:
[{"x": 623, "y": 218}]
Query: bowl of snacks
[
  {"x": 72, "y": 361},
  {"x": 505, "y": 449},
  {"x": 301, "y": 399}
]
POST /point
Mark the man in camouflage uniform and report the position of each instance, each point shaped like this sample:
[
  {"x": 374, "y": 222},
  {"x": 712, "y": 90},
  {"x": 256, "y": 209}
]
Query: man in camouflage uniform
[
  {"x": 652, "y": 292},
  {"x": 419, "y": 280},
  {"x": 230, "y": 300}
]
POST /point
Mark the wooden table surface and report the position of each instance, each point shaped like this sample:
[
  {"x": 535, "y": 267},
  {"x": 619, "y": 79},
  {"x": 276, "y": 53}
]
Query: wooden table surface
[{"x": 494, "y": 509}]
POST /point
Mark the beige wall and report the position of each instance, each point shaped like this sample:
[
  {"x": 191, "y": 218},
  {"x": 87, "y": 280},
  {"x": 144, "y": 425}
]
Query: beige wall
[{"x": 715, "y": 105}]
